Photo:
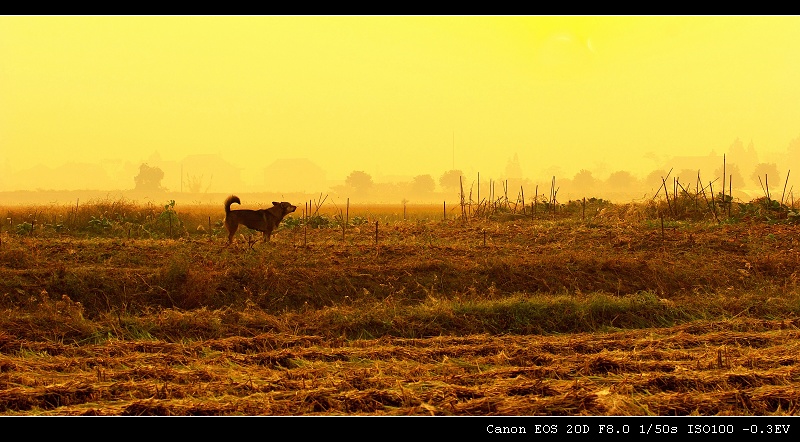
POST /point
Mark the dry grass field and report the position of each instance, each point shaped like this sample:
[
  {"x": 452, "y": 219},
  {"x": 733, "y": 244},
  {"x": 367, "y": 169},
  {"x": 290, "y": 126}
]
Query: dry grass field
[{"x": 112, "y": 308}]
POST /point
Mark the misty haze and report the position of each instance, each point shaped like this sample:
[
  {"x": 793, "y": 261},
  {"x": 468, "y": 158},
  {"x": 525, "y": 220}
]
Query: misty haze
[{"x": 207, "y": 178}]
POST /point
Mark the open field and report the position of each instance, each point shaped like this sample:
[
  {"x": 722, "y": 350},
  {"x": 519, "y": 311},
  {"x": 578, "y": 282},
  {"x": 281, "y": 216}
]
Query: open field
[{"x": 602, "y": 310}]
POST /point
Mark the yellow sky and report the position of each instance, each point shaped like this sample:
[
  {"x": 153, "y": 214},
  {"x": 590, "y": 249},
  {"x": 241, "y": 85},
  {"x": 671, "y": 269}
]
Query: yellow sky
[{"x": 394, "y": 95}]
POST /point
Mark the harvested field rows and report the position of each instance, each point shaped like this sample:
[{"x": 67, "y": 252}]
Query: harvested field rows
[{"x": 740, "y": 367}]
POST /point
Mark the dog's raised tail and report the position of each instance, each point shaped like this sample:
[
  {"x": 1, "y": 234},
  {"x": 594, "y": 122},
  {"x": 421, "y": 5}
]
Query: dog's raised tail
[{"x": 230, "y": 200}]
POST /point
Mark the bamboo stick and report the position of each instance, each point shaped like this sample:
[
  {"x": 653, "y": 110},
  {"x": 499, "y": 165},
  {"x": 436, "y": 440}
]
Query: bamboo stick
[
  {"x": 784, "y": 186},
  {"x": 724, "y": 174}
]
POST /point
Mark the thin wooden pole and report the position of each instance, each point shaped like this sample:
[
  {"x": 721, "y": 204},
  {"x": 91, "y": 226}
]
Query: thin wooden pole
[
  {"x": 766, "y": 184},
  {"x": 463, "y": 209},
  {"x": 305, "y": 225},
  {"x": 505, "y": 192},
  {"x": 784, "y": 185},
  {"x": 730, "y": 195},
  {"x": 713, "y": 202},
  {"x": 666, "y": 193},
  {"x": 583, "y": 209},
  {"x": 724, "y": 174}
]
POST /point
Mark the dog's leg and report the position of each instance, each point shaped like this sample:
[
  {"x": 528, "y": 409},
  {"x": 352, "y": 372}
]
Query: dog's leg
[{"x": 231, "y": 231}]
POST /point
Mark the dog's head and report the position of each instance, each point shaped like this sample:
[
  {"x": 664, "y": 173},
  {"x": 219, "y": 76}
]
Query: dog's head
[{"x": 286, "y": 208}]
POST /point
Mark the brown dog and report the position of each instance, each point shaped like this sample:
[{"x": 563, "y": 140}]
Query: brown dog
[{"x": 264, "y": 220}]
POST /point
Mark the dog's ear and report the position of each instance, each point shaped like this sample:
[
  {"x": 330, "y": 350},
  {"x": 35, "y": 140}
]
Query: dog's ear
[{"x": 276, "y": 204}]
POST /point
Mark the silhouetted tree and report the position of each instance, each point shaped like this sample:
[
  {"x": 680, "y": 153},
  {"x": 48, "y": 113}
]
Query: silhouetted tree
[
  {"x": 451, "y": 180},
  {"x": 195, "y": 183},
  {"x": 766, "y": 172},
  {"x": 513, "y": 169},
  {"x": 584, "y": 181},
  {"x": 359, "y": 180},
  {"x": 621, "y": 180},
  {"x": 148, "y": 179},
  {"x": 738, "y": 154},
  {"x": 654, "y": 180},
  {"x": 687, "y": 177},
  {"x": 423, "y": 184},
  {"x": 730, "y": 170}
]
